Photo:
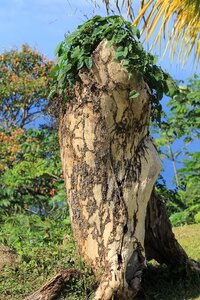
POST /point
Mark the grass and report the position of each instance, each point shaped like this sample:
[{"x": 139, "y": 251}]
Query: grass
[
  {"x": 189, "y": 238},
  {"x": 159, "y": 283}
]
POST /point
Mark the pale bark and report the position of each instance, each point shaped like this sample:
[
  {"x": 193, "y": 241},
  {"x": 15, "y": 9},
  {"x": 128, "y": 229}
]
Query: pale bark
[{"x": 110, "y": 165}]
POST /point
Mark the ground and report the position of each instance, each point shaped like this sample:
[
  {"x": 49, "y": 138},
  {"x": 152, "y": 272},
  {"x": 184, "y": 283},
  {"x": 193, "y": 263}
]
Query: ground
[
  {"x": 158, "y": 283},
  {"x": 189, "y": 238},
  {"x": 161, "y": 284}
]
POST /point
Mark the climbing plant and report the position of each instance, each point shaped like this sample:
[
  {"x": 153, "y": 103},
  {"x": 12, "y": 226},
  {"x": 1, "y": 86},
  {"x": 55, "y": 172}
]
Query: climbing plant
[{"x": 75, "y": 52}]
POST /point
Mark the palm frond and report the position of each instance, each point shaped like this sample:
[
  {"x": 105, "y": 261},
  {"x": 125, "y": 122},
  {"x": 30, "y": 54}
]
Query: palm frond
[
  {"x": 182, "y": 17},
  {"x": 175, "y": 21}
]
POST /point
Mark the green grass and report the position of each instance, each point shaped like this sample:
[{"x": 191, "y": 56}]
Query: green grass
[
  {"x": 158, "y": 282},
  {"x": 189, "y": 238}
]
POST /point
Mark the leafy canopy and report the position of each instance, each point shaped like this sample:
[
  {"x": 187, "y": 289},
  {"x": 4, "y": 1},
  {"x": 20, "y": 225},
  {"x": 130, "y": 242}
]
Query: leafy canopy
[
  {"x": 75, "y": 53},
  {"x": 29, "y": 159},
  {"x": 24, "y": 78},
  {"x": 30, "y": 171}
]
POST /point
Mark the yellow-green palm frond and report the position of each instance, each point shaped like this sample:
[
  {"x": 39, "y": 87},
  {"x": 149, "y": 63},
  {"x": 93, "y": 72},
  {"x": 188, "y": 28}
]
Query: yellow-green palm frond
[{"x": 179, "y": 23}]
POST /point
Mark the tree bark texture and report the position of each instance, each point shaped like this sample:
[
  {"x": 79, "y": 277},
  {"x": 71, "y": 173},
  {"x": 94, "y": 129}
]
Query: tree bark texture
[
  {"x": 110, "y": 165},
  {"x": 51, "y": 289},
  {"x": 160, "y": 242}
]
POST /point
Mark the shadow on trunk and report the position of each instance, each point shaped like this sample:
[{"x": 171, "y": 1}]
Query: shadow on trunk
[{"x": 160, "y": 242}]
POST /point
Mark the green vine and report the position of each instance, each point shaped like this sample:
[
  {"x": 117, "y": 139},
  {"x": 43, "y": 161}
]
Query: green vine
[{"x": 74, "y": 53}]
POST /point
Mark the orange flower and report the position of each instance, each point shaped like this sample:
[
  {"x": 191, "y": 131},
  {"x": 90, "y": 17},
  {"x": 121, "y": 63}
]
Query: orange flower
[
  {"x": 52, "y": 192},
  {"x": 21, "y": 130},
  {"x": 14, "y": 78}
]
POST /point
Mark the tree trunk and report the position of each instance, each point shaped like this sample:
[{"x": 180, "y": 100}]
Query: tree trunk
[
  {"x": 110, "y": 165},
  {"x": 160, "y": 242}
]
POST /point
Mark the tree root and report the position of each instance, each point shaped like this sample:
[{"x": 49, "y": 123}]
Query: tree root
[{"x": 52, "y": 289}]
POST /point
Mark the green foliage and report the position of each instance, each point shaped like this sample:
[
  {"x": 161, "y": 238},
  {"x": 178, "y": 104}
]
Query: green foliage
[
  {"x": 44, "y": 245},
  {"x": 180, "y": 218},
  {"x": 30, "y": 171},
  {"x": 30, "y": 167},
  {"x": 182, "y": 206},
  {"x": 24, "y": 86},
  {"x": 25, "y": 154},
  {"x": 182, "y": 126},
  {"x": 183, "y": 120},
  {"x": 38, "y": 232},
  {"x": 75, "y": 52},
  {"x": 189, "y": 176},
  {"x": 170, "y": 197},
  {"x": 188, "y": 216},
  {"x": 197, "y": 217}
]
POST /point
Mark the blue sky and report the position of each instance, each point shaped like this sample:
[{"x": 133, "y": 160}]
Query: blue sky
[{"x": 43, "y": 23}]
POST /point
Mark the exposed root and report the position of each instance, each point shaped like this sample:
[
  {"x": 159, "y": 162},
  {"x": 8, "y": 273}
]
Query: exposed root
[
  {"x": 52, "y": 289},
  {"x": 123, "y": 279}
]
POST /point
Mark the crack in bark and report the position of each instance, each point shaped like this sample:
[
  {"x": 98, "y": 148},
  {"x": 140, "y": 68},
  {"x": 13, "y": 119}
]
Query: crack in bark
[{"x": 103, "y": 136}]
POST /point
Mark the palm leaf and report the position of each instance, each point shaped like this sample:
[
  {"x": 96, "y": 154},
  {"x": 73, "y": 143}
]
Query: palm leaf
[{"x": 182, "y": 17}]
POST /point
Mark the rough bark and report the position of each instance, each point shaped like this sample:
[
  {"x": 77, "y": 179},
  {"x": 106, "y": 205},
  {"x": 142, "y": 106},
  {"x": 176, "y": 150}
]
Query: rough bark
[
  {"x": 110, "y": 165},
  {"x": 160, "y": 242},
  {"x": 51, "y": 289}
]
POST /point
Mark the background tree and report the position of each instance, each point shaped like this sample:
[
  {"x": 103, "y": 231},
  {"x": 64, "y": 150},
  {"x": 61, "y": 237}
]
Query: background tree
[
  {"x": 30, "y": 167},
  {"x": 30, "y": 170},
  {"x": 24, "y": 78},
  {"x": 179, "y": 130},
  {"x": 33, "y": 223}
]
